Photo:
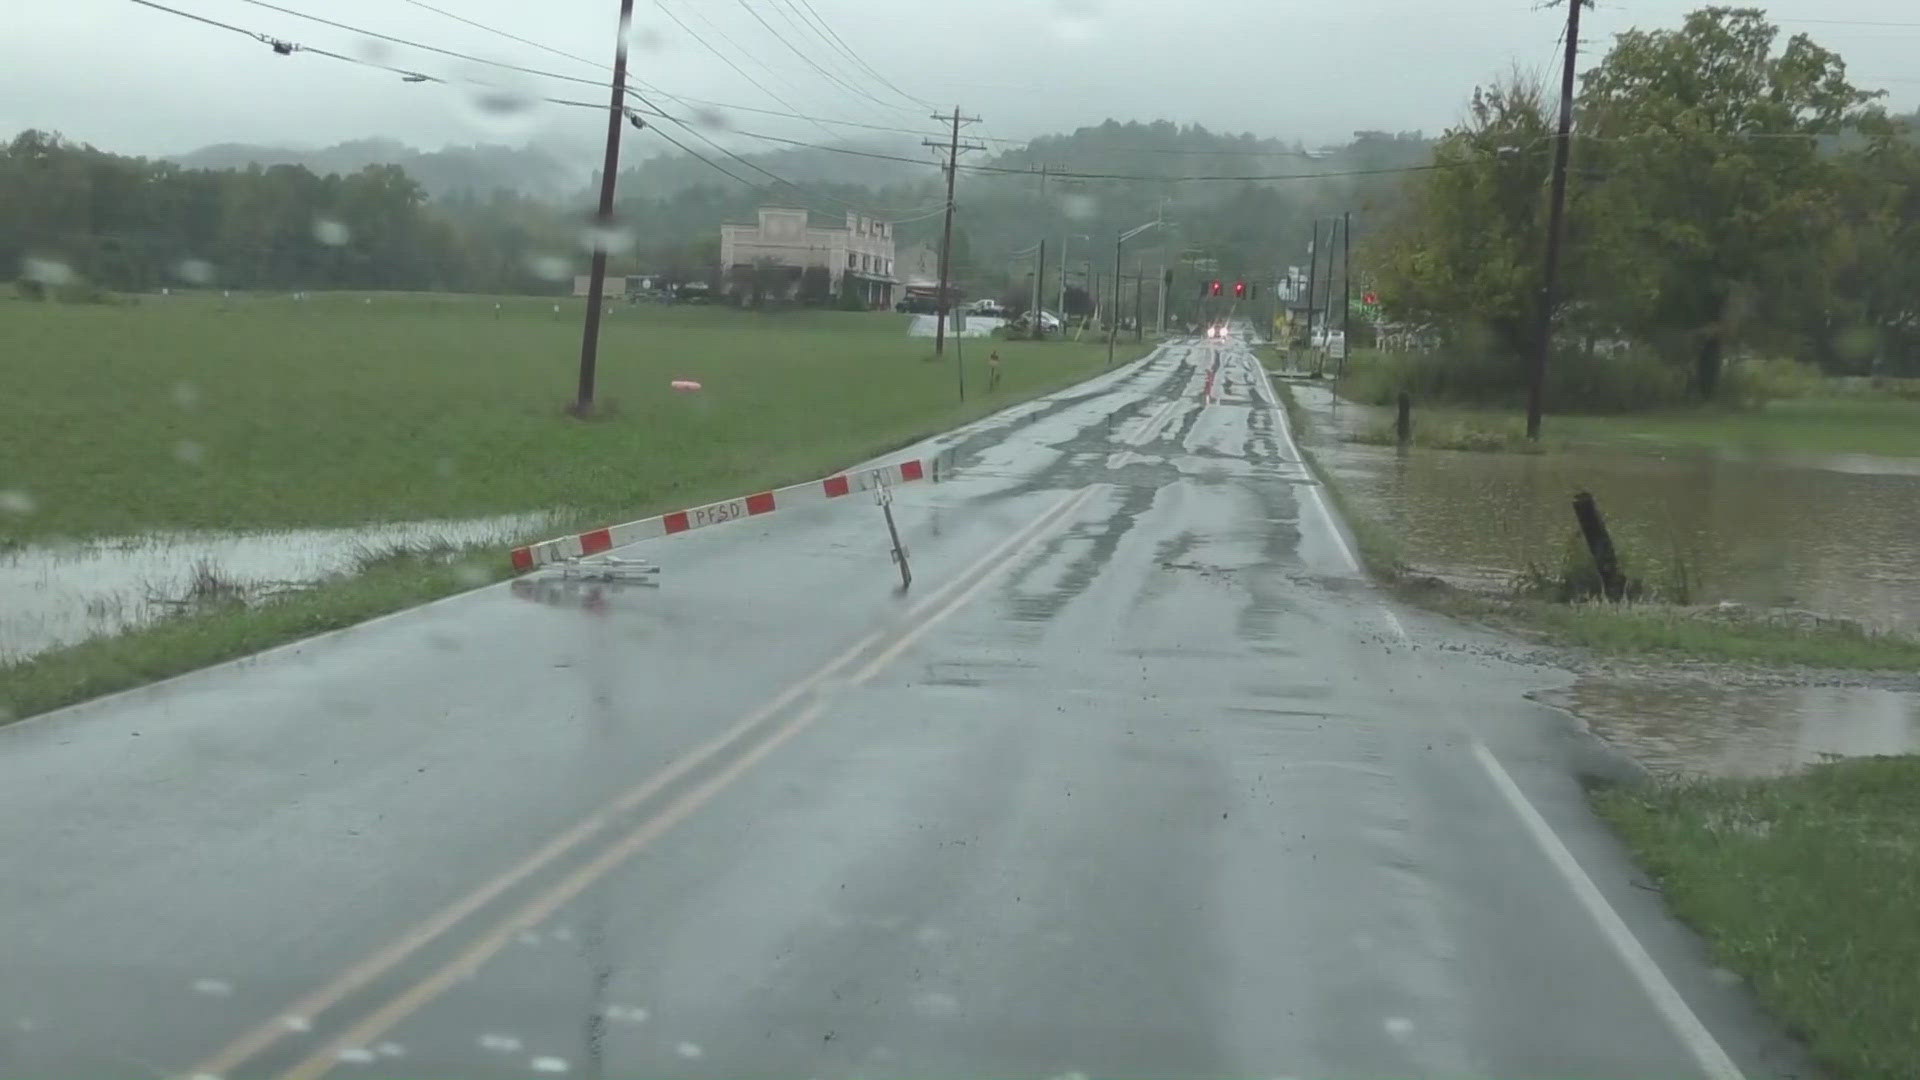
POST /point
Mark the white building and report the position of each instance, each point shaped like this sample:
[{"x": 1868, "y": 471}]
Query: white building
[{"x": 862, "y": 252}]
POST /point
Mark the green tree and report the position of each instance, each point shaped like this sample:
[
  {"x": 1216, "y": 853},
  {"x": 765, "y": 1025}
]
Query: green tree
[
  {"x": 1715, "y": 182},
  {"x": 1465, "y": 251}
]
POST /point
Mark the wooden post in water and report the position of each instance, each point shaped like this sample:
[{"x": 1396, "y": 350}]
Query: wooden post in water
[
  {"x": 1403, "y": 424},
  {"x": 1600, "y": 544}
]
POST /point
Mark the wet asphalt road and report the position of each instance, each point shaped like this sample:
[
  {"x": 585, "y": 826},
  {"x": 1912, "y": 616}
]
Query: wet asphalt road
[{"x": 1140, "y": 779}]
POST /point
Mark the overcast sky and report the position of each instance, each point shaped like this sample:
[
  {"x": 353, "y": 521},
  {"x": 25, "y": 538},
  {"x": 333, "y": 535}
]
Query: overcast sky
[{"x": 135, "y": 80}]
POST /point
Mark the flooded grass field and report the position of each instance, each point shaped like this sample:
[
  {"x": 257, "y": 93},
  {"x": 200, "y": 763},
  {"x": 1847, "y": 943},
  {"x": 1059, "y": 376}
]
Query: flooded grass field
[
  {"x": 65, "y": 592},
  {"x": 1834, "y": 535},
  {"x": 1822, "y": 535}
]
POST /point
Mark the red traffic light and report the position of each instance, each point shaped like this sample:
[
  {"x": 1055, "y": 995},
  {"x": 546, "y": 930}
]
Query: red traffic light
[
  {"x": 1216, "y": 287},
  {"x": 1239, "y": 288},
  {"x": 1370, "y": 299}
]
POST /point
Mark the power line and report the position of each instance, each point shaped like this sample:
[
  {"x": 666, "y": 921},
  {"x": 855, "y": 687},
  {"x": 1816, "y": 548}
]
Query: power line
[
  {"x": 411, "y": 44},
  {"x": 856, "y": 57},
  {"x": 795, "y": 50},
  {"x": 724, "y": 58},
  {"x": 1056, "y": 174},
  {"x": 502, "y": 33},
  {"x": 287, "y": 48}
]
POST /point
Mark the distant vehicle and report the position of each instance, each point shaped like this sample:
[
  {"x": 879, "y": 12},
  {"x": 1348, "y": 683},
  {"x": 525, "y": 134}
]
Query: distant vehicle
[
  {"x": 1049, "y": 323},
  {"x": 917, "y": 305},
  {"x": 991, "y": 308},
  {"x": 1217, "y": 332}
]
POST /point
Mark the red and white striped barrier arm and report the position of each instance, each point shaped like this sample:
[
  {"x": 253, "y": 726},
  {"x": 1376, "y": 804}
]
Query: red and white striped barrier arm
[{"x": 699, "y": 517}]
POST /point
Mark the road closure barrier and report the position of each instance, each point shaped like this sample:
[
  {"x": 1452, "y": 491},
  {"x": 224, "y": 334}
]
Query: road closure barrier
[{"x": 581, "y": 545}]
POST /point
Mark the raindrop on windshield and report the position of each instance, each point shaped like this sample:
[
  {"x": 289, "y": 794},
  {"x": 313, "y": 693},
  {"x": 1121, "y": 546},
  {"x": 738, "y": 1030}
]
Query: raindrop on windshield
[
  {"x": 330, "y": 232},
  {"x": 188, "y": 452},
  {"x": 194, "y": 271},
  {"x": 186, "y": 395},
  {"x": 1075, "y": 22},
  {"x": 373, "y": 50},
  {"x": 47, "y": 271},
  {"x": 550, "y": 267},
  {"x": 606, "y": 236},
  {"x": 1080, "y": 207},
  {"x": 16, "y": 501},
  {"x": 501, "y": 112},
  {"x": 648, "y": 39},
  {"x": 711, "y": 118}
]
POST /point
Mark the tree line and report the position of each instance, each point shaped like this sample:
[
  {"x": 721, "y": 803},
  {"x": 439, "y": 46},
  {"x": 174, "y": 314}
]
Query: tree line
[{"x": 1729, "y": 196}]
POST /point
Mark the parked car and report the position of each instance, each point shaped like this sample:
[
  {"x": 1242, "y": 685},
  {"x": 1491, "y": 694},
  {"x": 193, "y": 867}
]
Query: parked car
[
  {"x": 987, "y": 307},
  {"x": 1049, "y": 324}
]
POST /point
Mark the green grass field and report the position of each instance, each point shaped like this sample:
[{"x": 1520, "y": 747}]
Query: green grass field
[
  {"x": 191, "y": 412},
  {"x": 1879, "y": 426},
  {"x": 1804, "y": 884}
]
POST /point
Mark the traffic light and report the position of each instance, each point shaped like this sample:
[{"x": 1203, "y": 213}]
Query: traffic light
[
  {"x": 1240, "y": 289},
  {"x": 1216, "y": 287}
]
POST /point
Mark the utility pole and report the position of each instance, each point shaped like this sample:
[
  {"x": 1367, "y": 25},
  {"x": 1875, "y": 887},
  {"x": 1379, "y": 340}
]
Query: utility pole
[
  {"x": 609, "y": 168},
  {"x": 1063, "y": 282},
  {"x": 1313, "y": 269},
  {"x": 1139, "y": 321},
  {"x": 953, "y": 149},
  {"x": 1039, "y": 286},
  {"x": 1113, "y": 319},
  {"x": 1556, "y": 213},
  {"x": 1160, "y": 312},
  {"x": 1346, "y": 287}
]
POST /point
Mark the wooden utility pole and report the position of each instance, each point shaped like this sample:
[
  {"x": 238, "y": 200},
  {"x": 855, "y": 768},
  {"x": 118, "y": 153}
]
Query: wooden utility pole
[
  {"x": 609, "y": 168},
  {"x": 1313, "y": 269},
  {"x": 1139, "y": 279},
  {"x": 1556, "y": 213},
  {"x": 1346, "y": 287},
  {"x": 953, "y": 149},
  {"x": 1039, "y": 289}
]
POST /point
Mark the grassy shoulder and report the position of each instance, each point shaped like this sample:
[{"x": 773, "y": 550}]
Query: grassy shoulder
[
  {"x": 1631, "y": 629},
  {"x": 1804, "y": 884},
  {"x": 221, "y": 632},
  {"x": 189, "y": 412},
  {"x": 1796, "y": 414},
  {"x": 413, "y": 407}
]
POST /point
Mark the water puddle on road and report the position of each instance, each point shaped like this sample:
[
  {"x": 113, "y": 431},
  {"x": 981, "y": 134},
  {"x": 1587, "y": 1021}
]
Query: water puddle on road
[
  {"x": 64, "y": 592},
  {"x": 1698, "y": 725}
]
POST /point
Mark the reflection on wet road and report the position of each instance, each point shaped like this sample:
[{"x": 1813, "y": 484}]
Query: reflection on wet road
[{"x": 1140, "y": 778}]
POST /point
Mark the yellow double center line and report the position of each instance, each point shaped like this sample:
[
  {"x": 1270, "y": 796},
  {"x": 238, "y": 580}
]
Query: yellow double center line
[{"x": 921, "y": 617}]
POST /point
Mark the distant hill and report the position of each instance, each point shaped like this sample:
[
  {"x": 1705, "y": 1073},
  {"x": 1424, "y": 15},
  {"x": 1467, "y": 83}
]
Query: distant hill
[{"x": 475, "y": 169}]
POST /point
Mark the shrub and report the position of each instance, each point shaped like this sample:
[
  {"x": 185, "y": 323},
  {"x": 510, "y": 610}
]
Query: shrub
[
  {"x": 1620, "y": 380},
  {"x": 1755, "y": 381}
]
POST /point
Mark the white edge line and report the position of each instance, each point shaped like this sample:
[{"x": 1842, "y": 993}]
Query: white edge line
[
  {"x": 1265, "y": 381},
  {"x": 1673, "y": 1008}
]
